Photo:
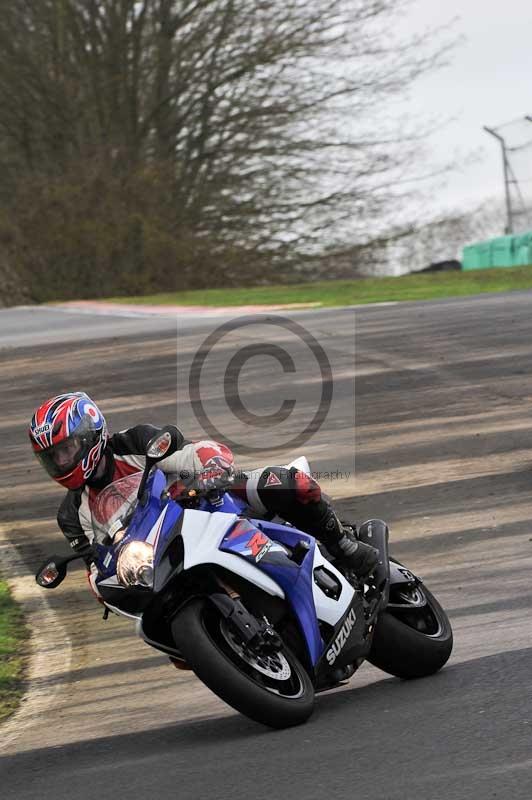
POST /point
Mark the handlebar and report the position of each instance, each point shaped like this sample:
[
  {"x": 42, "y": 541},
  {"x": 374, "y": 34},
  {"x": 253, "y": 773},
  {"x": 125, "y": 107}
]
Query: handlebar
[{"x": 212, "y": 492}]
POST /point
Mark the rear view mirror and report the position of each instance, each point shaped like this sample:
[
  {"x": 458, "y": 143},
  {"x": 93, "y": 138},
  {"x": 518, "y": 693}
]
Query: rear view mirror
[
  {"x": 159, "y": 446},
  {"x": 51, "y": 573}
]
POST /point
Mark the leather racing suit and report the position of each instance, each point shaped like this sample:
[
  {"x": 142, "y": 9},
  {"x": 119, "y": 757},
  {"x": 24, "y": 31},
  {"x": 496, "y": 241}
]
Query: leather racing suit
[{"x": 292, "y": 494}]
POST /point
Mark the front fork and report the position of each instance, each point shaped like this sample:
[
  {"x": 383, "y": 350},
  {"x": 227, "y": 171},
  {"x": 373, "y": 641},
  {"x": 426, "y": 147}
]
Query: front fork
[{"x": 256, "y": 634}]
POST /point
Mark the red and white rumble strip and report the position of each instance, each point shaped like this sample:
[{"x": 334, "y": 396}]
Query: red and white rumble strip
[{"x": 128, "y": 309}]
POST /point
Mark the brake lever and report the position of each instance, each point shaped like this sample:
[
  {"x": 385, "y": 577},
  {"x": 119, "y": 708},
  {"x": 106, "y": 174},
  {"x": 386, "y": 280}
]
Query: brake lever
[{"x": 214, "y": 494}]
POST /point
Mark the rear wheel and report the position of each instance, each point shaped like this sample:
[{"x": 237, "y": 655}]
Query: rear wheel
[
  {"x": 272, "y": 688},
  {"x": 413, "y": 636}
]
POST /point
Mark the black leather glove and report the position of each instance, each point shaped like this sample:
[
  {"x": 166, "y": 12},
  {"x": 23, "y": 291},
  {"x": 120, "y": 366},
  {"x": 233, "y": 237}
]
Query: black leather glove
[{"x": 212, "y": 480}]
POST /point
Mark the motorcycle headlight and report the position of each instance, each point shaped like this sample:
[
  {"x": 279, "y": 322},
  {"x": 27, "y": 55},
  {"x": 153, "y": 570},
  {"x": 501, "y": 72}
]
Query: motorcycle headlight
[{"x": 135, "y": 565}]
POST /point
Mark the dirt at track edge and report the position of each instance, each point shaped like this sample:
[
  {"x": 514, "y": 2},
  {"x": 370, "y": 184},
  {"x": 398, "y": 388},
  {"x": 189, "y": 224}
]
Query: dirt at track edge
[{"x": 49, "y": 644}]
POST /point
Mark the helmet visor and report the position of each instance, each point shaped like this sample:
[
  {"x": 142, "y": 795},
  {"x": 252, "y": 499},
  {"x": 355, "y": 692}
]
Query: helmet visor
[{"x": 62, "y": 458}]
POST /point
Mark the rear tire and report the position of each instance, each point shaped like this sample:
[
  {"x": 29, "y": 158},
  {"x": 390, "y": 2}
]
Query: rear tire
[
  {"x": 259, "y": 690},
  {"x": 406, "y": 645}
]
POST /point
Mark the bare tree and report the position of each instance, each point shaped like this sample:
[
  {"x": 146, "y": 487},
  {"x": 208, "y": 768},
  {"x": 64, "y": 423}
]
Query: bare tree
[{"x": 230, "y": 133}]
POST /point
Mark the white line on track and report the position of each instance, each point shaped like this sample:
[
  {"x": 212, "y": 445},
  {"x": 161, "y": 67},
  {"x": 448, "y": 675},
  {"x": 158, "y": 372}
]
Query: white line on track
[{"x": 51, "y": 647}]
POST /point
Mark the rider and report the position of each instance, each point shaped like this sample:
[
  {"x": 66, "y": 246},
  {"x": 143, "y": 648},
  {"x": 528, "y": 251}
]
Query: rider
[{"x": 69, "y": 436}]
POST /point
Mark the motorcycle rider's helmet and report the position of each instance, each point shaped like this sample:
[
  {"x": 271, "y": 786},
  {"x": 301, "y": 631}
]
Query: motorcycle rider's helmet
[{"x": 68, "y": 434}]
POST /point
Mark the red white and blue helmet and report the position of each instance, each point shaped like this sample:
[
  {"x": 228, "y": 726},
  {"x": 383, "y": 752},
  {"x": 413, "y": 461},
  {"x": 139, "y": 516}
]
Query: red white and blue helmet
[{"x": 68, "y": 434}]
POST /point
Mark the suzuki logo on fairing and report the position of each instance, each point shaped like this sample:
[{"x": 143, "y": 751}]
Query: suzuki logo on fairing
[{"x": 342, "y": 637}]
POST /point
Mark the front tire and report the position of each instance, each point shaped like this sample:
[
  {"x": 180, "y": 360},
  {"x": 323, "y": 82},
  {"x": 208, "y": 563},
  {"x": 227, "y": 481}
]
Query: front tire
[
  {"x": 274, "y": 690},
  {"x": 412, "y": 642}
]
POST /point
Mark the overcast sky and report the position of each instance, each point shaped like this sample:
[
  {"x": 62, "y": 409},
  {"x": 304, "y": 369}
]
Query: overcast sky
[{"x": 487, "y": 83}]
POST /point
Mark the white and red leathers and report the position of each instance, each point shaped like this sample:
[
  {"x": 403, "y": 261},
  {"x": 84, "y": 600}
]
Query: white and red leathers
[{"x": 292, "y": 494}]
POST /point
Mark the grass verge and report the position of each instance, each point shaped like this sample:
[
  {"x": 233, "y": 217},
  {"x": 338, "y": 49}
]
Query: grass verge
[
  {"x": 429, "y": 286},
  {"x": 13, "y": 635}
]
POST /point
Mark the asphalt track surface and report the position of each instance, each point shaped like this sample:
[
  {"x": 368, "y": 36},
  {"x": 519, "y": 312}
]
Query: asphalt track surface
[{"x": 443, "y": 452}]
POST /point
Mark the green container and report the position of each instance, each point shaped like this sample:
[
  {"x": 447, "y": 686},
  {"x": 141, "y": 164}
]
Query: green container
[
  {"x": 523, "y": 250},
  {"x": 471, "y": 257},
  {"x": 504, "y": 251}
]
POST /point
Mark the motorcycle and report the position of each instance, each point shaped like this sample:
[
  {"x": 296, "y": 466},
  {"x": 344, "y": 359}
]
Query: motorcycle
[{"x": 255, "y": 607}]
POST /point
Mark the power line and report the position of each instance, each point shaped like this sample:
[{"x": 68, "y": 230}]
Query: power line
[{"x": 513, "y": 183}]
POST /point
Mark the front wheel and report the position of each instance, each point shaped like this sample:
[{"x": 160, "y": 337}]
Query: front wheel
[
  {"x": 272, "y": 688},
  {"x": 413, "y": 637}
]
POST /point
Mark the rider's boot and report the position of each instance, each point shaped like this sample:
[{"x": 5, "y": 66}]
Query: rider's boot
[{"x": 341, "y": 542}]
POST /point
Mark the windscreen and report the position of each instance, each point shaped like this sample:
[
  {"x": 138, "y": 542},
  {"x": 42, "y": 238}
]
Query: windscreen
[{"x": 113, "y": 507}]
